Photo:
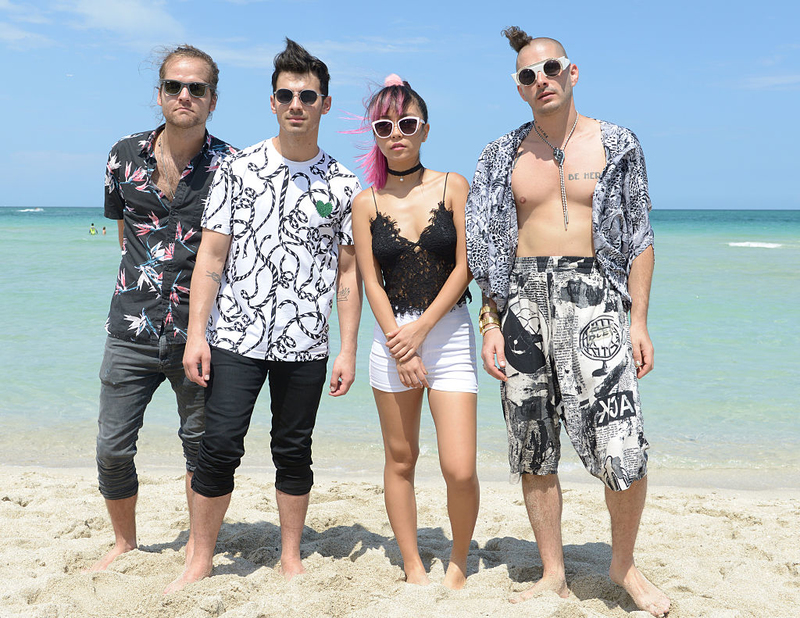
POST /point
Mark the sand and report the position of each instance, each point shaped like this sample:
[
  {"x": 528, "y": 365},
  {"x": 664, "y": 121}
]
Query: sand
[{"x": 716, "y": 553}]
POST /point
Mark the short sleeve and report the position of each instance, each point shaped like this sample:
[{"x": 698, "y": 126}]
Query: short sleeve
[
  {"x": 114, "y": 204},
  {"x": 218, "y": 206},
  {"x": 345, "y": 234}
]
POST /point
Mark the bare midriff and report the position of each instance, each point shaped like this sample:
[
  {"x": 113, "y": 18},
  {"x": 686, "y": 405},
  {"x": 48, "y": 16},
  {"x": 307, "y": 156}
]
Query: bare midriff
[{"x": 537, "y": 194}]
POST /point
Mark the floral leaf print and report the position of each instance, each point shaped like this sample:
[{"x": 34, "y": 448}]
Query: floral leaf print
[{"x": 139, "y": 323}]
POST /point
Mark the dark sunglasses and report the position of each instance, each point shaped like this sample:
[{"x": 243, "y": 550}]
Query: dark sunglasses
[
  {"x": 550, "y": 67},
  {"x": 407, "y": 125},
  {"x": 284, "y": 96},
  {"x": 173, "y": 88}
]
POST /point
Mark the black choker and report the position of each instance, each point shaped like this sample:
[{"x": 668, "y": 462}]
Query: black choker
[{"x": 416, "y": 168}]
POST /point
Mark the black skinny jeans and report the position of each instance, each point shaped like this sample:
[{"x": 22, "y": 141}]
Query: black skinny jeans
[{"x": 236, "y": 380}]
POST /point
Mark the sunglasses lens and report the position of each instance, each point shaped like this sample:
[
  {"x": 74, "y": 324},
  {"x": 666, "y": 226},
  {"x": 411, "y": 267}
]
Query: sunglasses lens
[
  {"x": 383, "y": 128},
  {"x": 171, "y": 87},
  {"x": 308, "y": 97},
  {"x": 197, "y": 89},
  {"x": 284, "y": 96},
  {"x": 408, "y": 126},
  {"x": 552, "y": 68},
  {"x": 526, "y": 77}
]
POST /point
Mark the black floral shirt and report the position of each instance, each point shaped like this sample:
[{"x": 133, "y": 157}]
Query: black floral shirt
[
  {"x": 620, "y": 212},
  {"x": 160, "y": 237}
]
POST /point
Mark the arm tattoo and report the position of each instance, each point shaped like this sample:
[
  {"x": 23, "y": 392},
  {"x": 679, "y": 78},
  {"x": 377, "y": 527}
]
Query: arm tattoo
[
  {"x": 343, "y": 295},
  {"x": 215, "y": 277}
]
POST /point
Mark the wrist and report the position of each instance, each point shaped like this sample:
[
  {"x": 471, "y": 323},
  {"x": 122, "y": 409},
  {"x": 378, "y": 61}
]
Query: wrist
[{"x": 485, "y": 328}]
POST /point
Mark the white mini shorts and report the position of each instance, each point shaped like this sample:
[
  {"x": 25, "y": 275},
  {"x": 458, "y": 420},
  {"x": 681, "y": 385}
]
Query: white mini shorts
[{"x": 448, "y": 354}]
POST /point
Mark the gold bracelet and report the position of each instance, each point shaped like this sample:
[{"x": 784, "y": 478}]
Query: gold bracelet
[
  {"x": 486, "y": 309},
  {"x": 489, "y": 318},
  {"x": 484, "y": 328}
]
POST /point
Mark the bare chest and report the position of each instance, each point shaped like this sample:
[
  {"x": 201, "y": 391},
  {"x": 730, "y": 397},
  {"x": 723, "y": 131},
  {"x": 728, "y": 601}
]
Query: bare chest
[{"x": 536, "y": 181}]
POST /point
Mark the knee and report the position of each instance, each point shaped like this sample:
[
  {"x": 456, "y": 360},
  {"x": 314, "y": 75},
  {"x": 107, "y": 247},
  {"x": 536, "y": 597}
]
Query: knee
[
  {"x": 295, "y": 481},
  {"x": 116, "y": 475},
  {"x": 213, "y": 473},
  {"x": 402, "y": 462},
  {"x": 460, "y": 478},
  {"x": 293, "y": 473}
]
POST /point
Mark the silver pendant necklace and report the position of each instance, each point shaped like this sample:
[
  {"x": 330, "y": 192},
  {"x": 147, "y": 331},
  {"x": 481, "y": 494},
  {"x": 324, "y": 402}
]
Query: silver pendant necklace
[{"x": 558, "y": 157}]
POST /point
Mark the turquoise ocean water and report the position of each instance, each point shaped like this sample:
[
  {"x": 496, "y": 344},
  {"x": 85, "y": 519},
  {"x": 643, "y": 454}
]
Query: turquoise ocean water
[{"x": 720, "y": 408}]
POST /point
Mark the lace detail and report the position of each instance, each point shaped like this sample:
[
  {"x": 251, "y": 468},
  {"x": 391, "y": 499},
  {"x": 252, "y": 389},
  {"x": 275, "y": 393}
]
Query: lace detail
[{"x": 414, "y": 272}]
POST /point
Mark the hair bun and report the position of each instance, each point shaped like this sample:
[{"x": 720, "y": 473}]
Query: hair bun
[{"x": 393, "y": 80}]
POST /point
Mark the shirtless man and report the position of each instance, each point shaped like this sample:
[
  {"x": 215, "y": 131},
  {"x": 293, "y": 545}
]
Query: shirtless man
[{"x": 559, "y": 240}]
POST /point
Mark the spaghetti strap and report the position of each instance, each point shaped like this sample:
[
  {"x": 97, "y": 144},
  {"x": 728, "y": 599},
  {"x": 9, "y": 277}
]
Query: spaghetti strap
[
  {"x": 374, "y": 200},
  {"x": 444, "y": 192}
]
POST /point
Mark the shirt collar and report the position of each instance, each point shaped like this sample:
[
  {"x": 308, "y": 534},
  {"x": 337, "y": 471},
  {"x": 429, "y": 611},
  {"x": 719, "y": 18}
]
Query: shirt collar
[{"x": 149, "y": 145}]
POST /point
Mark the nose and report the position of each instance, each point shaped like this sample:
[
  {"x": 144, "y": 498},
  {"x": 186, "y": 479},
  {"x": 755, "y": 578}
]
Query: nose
[
  {"x": 396, "y": 132},
  {"x": 184, "y": 93},
  {"x": 541, "y": 78},
  {"x": 295, "y": 103}
]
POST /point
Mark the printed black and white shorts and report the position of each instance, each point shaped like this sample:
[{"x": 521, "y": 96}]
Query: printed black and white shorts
[{"x": 569, "y": 358}]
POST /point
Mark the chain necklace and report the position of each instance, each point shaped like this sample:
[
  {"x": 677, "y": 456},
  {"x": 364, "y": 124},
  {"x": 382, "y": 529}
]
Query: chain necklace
[{"x": 558, "y": 157}]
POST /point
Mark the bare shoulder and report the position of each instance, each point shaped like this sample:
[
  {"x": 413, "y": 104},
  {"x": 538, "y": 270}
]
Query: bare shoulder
[
  {"x": 363, "y": 201},
  {"x": 589, "y": 127},
  {"x": 457, "y": 181},
  {"x": 457, "y": 190}
]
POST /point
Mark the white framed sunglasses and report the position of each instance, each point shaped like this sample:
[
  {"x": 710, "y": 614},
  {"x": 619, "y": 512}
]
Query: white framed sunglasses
[
  {"x": 407, "y": 125},
  {"x": 550, "y": 67}
]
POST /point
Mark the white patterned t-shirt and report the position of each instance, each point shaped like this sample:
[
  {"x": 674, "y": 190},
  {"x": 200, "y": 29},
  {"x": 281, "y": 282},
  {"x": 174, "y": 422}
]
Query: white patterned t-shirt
[{"x": 286, "y": 220}]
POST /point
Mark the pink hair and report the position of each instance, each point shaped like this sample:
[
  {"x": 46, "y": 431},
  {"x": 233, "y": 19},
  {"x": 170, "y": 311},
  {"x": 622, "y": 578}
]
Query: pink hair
[{"x": 395, "y": 95}]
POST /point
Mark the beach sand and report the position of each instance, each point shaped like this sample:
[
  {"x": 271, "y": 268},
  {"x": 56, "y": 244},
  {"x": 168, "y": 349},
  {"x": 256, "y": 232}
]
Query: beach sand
[{"x": 716, "y": 553}]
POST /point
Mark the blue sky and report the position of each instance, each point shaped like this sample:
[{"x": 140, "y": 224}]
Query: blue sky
[{"x": 712, "y": 89}]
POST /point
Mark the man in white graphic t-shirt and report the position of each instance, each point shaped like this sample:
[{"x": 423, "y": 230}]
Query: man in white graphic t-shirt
[{"x": 277, "y": 247}]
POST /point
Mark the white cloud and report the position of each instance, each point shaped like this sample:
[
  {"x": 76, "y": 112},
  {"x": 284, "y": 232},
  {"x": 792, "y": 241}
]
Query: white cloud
[
  {"x": 772, "y": 82},
  {"x": 140, "y": 22},
  {"x": 24, "y": 12},
  {"x": 260, "y": 56},
  {"x": 22, "y": 40}
]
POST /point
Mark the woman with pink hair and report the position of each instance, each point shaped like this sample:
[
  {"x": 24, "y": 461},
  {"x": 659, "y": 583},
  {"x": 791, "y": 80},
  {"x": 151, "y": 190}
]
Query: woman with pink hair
[{"x": 411, "y": 250}]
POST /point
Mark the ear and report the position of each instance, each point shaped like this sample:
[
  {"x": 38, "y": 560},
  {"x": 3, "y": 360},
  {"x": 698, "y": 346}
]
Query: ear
[
  {"x": 573, "y": 73},
  {"x": 158, "y": 96},
  {"x": 272, "y": 104},
  {"x": 521, "y": 93},
  {"x": 326, "y": 104},
  {"x": 213, "y": 104},
  {"x": 425, "y": 128}
]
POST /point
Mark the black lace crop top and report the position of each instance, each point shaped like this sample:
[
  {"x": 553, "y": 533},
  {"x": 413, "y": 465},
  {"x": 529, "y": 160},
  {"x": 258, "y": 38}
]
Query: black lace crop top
[{"x": 414, "y": 272}]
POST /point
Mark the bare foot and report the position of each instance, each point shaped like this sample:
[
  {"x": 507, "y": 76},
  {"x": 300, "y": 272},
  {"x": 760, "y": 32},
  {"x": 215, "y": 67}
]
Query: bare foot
[
  {"x": 290, "y": 567},
  {"x": 189, "y": 576},
  {"x": 646, "y": 596},
  {"x": 456, "y": 576},
  {"x": 552, "y": 584},
  {"x": 417, "y": 576},
  {"x": 189, "y": 552},
  {"x": 105, "y": 561}
]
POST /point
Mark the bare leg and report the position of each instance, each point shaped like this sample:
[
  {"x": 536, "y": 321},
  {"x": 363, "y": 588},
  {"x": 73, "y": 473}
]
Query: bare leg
[
  {"x": 207, "y": 516},
  {"x": 189, "y": 500},
  {"x": 399, "y": 414},
  {"x": 625, "y": 508},
  {"x": 543, "y": 501},
  {"x": 123, "y": 519},
  {"x": 292, "y": 513},
  {"x": 455, "y": 417}
]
